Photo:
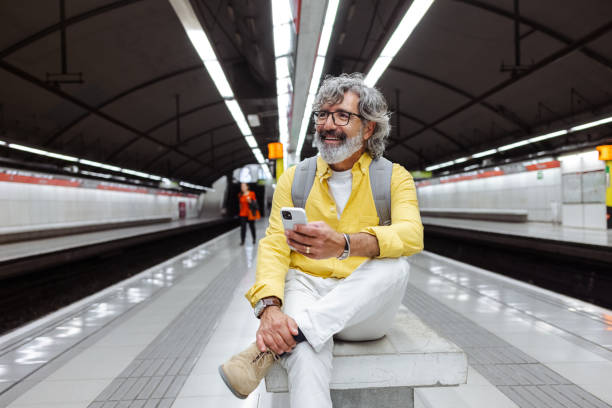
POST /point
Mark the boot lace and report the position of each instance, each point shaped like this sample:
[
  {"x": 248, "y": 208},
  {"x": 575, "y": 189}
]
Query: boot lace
[{"x": 260, "y": 358}]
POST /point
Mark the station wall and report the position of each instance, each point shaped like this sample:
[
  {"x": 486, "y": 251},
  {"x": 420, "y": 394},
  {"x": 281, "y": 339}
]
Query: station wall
[
  {"x": 538, "y": 192},
  {"x": 25, "y": 206}
]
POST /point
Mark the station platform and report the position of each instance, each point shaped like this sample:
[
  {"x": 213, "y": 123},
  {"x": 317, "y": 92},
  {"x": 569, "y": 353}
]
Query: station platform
[
  {"x": 157, "y": 339},
  {"x": 535, "y": 230},
  {"x": 23, "y": 256}
]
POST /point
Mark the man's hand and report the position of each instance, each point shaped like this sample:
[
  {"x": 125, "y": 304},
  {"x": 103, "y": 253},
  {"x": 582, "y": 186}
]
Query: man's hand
[
  {"x": 316, "y": 240},
  {"x": 276, "y": 331}
]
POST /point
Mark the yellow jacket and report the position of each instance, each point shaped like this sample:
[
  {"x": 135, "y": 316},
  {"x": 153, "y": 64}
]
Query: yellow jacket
[{"x": 403, "y": 237}]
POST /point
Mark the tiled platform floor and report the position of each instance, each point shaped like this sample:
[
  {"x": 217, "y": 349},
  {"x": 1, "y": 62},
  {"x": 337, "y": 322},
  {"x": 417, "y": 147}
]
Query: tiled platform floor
[{"x": 569, "y": 338}]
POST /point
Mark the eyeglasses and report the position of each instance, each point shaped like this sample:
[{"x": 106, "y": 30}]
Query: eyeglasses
[{"x": 340, "y": 118}]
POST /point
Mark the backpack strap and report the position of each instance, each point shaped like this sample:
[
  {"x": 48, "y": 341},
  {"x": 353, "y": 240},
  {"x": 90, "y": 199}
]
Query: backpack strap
[
  {"x": 380, "y": 183},
  {"x": 302, "y": 181}
]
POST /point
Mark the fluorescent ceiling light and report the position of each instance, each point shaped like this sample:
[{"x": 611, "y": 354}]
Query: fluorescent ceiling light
[
  {"x": 377, "y": 70},
  {"x": 460, "y": 160},
  {"x": 154, "y": 177},
  {"x": 513, "y": 145},
  {"x": 42, "y": 152},
  {"x": 195, "y": 186},
  {"x": 281, "y": 12},
  {"x": 2, "y": 143},
  {"x": 485, "y": 153},
  {"x": 238, "y": 116},
  {"x": 282, "y": 41},
  {"x": 328, "y": 25},
  {"x": 101, "y": 165},
  {"x": 259, "y": 156},
  {"x": 94, "y": 174},
  {"x": 207, "y": 54},
  {"x": 411, "y": 19},
  {"x": 283, "y": 86},
  {"x": 218, "y": 76},
  {"x": 591, "y": 124},
  {"x": 282, "y": 67},
  {"x": 305, "y": 123},
  {"x": 251, "y": 141},
  {"x": 135, "y": 173},
  {"x": 547, "y": 136}
]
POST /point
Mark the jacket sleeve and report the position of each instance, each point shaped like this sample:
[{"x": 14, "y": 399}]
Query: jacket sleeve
[
  {"x": 404, "y": 236},
  {"x": 273, "y": 253}
]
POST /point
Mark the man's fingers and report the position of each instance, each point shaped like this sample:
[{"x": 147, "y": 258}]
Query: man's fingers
[
  {"x": 287, "y": 338},
  {"x": 260, "y": 343},
  {"x": 282, "y": 344},
  {"x": 306, "y": 230},
  {"x": 293, "y": 327},
  {"x": 271, "y": 343}
]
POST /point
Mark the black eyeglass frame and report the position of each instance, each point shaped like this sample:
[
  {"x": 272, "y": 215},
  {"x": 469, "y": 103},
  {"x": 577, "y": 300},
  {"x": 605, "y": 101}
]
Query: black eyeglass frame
[{"x": 333, "y": 115}]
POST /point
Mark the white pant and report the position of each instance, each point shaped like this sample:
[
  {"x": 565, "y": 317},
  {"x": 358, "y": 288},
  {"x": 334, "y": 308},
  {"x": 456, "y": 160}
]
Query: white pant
[{"x": 360, "y": 307}]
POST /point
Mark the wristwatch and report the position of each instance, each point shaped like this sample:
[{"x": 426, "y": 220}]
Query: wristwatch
[
  {"x": 347, "y": 248},
  {"x": 265, "y": 302}
]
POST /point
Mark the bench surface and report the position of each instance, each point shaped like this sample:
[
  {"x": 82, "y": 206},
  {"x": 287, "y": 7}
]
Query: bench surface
[{"x": 410, "y": 355}]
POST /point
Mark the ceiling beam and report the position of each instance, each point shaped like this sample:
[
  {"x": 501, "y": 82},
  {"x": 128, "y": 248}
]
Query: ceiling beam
[
  {"x": 552, "y": 58},
  {"x": 539, "y": 27},
  {"x": 68, "y": 22},
  {"x": 499, "y": 110},
  {"x": 58, "y": 92},
  {"x": 438, "y": 131},
  {"x": 115, "y": 98},
  {"x": 143, "y": 135},
  {"x": 185, "y": 141},
  {"x": 225, "y": 142}
]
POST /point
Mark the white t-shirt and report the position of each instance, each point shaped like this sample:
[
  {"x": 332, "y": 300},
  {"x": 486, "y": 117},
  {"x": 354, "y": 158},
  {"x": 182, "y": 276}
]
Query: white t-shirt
[{"x": 340, "y": 185}]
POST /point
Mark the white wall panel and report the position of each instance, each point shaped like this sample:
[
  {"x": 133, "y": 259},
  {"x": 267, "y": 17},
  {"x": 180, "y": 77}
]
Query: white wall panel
[
  {"x": 594, "y": 216},
  {"x": 522, "y": 191},
  {"x": 32, "y": 205},
  {"x": 572, "y": 215}
]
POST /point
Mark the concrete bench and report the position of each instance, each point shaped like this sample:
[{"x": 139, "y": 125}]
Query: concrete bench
[
  {"x": 487, "y": 214},
  {"x": 383, "y": 373}
]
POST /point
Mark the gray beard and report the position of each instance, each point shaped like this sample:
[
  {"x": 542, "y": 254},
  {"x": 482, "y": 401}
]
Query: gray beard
[{"x": 337, "y": 154}]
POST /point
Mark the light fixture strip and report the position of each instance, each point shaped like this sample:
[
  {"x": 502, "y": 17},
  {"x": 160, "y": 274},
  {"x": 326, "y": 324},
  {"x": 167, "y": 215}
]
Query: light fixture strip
[
  {"x": 41, "y": 152},
  {"x": 282, "y": 19},
  {"x": 101, "y": 165},
  {"x": 404, "y": 29},
  {"x": 199, "y": 39},
  {"x": 328, "y": 26},
  {"x": 526, "y": 142}
]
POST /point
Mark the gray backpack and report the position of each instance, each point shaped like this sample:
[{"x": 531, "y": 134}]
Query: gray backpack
[{"x": 380, "y": 182}]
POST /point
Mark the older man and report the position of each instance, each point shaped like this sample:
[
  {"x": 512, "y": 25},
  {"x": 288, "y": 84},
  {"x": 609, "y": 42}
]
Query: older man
[{"x": 344, "y": 276}]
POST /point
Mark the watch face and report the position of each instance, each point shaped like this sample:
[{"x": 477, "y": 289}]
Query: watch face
[{"x": 258, "y": 308}]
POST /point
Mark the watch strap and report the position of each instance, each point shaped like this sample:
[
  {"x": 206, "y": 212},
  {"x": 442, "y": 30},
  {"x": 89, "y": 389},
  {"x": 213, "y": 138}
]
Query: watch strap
[
  {"x": 264, "y": 303},
  {"x": 347, "y": 248}
]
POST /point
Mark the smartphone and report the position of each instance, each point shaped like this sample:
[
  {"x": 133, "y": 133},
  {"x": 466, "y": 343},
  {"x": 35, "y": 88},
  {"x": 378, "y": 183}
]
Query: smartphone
[{"x": 292, "y": 216}]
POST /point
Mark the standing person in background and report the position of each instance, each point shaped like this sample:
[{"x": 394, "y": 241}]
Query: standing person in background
[{"x": 248, "y": 211}]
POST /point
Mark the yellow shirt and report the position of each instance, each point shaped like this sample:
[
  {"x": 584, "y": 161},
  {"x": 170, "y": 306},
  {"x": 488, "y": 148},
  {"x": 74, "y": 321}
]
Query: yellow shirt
[{"x": 403, "y": 237}]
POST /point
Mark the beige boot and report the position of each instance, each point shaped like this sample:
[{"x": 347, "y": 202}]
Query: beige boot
[{"x": 244, "y": 371}]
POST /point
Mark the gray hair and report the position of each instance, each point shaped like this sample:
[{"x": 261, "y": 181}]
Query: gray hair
[{"x": 372, "y": 106}]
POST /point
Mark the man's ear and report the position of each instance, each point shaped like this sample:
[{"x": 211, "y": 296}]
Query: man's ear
[{"x": 369, "y": 130}]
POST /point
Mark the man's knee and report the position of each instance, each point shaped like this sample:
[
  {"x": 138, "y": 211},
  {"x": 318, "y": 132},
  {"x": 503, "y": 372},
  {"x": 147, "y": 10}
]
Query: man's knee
[
  {"x": 304, "y": 360},
  {"x": 394, "y": 271}
]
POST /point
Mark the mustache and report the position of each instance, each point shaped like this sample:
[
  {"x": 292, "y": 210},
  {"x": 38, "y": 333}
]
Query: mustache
[{"x": 339, "y": 134}]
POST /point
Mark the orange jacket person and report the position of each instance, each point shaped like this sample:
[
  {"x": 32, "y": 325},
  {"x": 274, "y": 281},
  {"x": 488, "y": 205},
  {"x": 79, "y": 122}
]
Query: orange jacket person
[{"x": 246, "y": 197}]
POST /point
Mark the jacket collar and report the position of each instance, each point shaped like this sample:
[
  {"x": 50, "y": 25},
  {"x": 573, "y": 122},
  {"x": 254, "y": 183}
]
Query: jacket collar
[{"x": 325, "y": 172}]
